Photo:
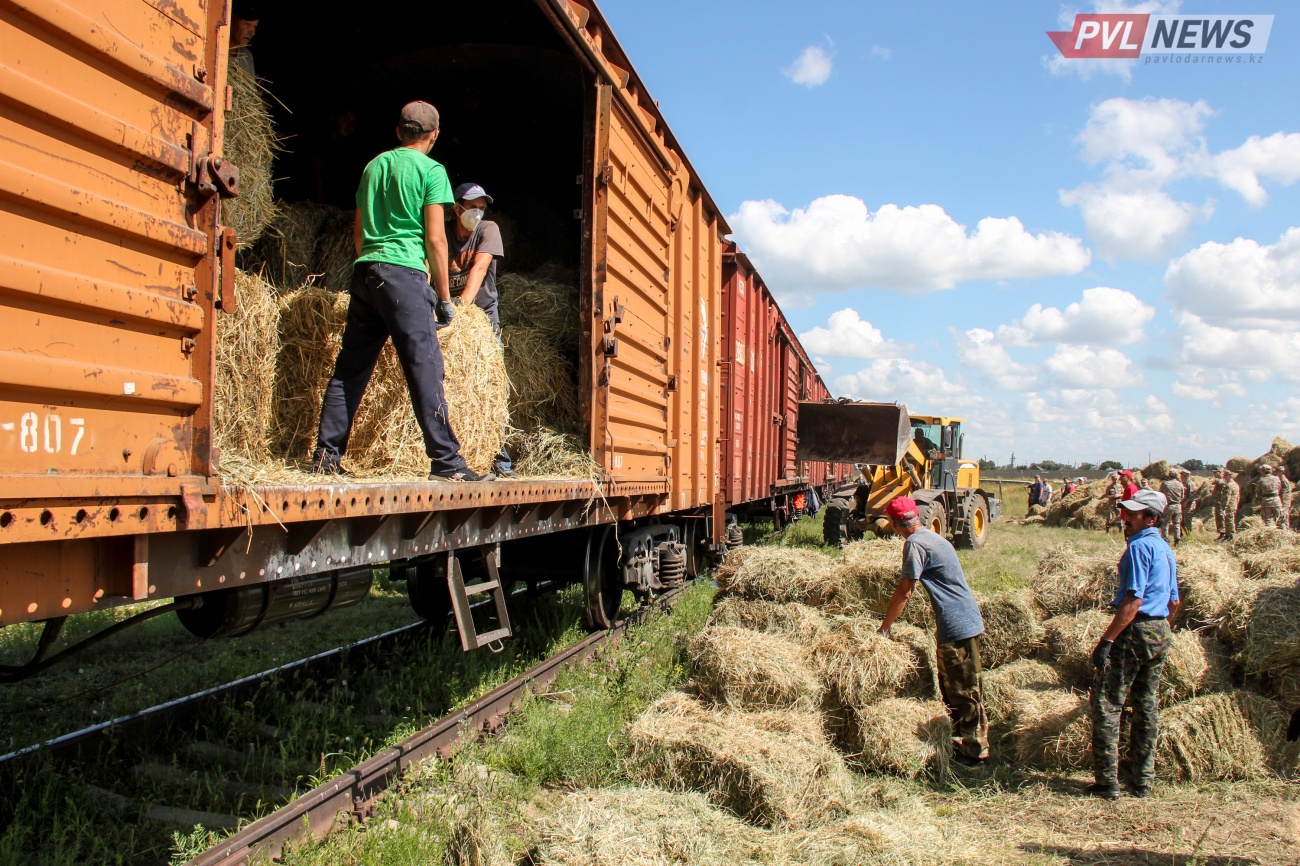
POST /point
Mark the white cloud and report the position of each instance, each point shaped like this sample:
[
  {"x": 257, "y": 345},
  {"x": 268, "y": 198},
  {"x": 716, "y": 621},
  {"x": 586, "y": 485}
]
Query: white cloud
[
  {"x": 978, "y": 349},
  {"x": 1242, "y": 284},
  {"x": 922, "y": 385},
  {"x": 1144, "y": 138},
  {"x": 1103, "y": 317},
  {"x": 1144, "y": 225},
  {"x": 849, "y": 336},
  {"x": 837, "y": 243},
  {"x": 881, "y": 52},
  {"x": 1276, "y": 157},
  {"x": 1085, "y": 367},
  {"x": 811, "y": 68},
  {"x": 1257, "y": 353}
]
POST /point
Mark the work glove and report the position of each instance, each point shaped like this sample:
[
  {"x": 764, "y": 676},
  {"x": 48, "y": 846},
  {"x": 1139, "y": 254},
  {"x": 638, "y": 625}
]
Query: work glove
[
  {"x": 1101, "y": 655},
  {"x": 444, "y": 311}
]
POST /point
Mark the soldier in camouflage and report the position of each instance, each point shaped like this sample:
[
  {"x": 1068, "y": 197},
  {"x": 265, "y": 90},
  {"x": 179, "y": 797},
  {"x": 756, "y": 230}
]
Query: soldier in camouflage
[
  {"x": 1131, "y": 653},
  {"x": 1268, "y": 493},
  {"x": 1114, "y": 493},
  {"x": 1231, "y": 502},
  {"x": 1174, "y": 491},
  {"x": 1189, "y": 497},
  {"x": 1284, "y": 519}
]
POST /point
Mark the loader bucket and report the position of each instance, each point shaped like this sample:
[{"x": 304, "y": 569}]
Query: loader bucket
[{"x": 873, "y": 433}]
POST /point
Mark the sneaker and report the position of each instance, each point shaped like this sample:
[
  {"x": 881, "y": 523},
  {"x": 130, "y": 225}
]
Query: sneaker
[
  {"x": 1104, "y": 792},
  {"x": 326, "y": 462},
  {"x": 502, "y": 472},
  {"x": 465, "y": 474}
]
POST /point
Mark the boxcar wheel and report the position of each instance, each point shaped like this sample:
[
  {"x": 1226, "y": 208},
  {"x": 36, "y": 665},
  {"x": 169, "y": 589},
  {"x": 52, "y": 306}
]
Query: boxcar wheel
[
  {"x": 426, "y": 587},
  {"x": 602, "y": 581},
  {"x": 976, "y": 533}
]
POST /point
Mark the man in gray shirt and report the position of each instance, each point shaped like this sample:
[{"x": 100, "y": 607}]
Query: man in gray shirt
[{"x": 930, "y": 559}]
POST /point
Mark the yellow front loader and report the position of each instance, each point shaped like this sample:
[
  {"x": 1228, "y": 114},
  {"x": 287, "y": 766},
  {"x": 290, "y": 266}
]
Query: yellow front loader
[{"x": 897, "y": 454}]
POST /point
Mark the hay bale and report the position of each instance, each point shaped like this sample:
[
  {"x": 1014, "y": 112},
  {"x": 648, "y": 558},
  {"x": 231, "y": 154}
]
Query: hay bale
[
  {"x": 1069, "y": 641},
  {"x": 1286, "y": 686},
  {"x": 923, "y": 647},
  {"x": 1238, "y": 464},
  {"x": 1277, "y": 562},
  {"x": 543, "y": 384},
  {"x": 1253, "y": 536},
  {"x": 902, "y": 736},
  {"x": 244, "y": 388},
  {"x": 311, "y": 328},
  {"x": 1011, "y": 629},
  {"x": 781, "y": 574},
  {"x": 796, "y": 622},
  {"x": 1187, "y": 669},
  {"x": 1001, "y": 686},
  {"x": 286, "y": 253},
  {"x": 1210, "y": 739},
  {"x": 336, "y": 252},
  {"x": 1272, "y": 634},
  {"x": 249, "y": 142},
  {"x": 475, "y": 385},
  {"x": 1280, "y": 448},
  {"x": 771, "y": 769},
  {"x": 749, "y": 670},
  {"x": 1293, "y": 463},
  {"x": 1093, "y": 515},
  {"x": 1209, "y": 580},
  {"x": 1038, "y": 511},
  {"x": 1052, "y": 731},
  {"x": 543, "y": 301},
  {"x": 641, "y": 827},
  {"x": 869, "y": 571},
  {"x": 860, "y": 667},
  {"x": 1158, "y": 471},
  {"x": 1067, "y": 582}
]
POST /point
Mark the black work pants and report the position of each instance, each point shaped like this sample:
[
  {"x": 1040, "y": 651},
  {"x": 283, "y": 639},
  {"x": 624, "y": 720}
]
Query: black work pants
[{"x": 390, "y": 300}]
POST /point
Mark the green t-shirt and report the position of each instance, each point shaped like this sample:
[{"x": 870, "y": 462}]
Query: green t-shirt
[{"x": 394, "y": 189}]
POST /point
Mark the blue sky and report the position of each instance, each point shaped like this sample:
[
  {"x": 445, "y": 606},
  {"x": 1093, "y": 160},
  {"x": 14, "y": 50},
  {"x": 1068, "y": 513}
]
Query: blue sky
[{"x": 1089, "y": 259}]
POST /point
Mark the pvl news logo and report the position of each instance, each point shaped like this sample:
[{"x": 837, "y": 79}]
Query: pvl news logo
[{"x": 1166, "y": 38}]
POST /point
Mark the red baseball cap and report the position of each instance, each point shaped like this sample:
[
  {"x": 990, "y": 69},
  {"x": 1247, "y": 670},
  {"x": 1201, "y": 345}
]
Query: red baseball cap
[
  {"x": 901, "y": 509},
  {"x": 1126, "y": 472}
]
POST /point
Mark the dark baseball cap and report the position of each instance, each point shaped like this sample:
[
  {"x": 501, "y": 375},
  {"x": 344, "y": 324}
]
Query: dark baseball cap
[
  {"x": 471, "y": 191},
  {"x": 418, "y": 117}
]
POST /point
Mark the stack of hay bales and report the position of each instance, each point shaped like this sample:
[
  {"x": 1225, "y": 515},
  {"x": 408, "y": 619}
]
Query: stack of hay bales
[
  {"x": 249, "y": 142},
  {"x": 306, "y": 244}
]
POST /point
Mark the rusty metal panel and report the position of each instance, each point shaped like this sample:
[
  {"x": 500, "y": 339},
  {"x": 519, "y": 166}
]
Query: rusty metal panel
[{"x": 107, "y": 266}]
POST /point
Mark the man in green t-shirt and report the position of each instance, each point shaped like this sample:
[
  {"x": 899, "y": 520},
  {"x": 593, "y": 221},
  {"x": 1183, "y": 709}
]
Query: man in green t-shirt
[{"x": 398, "y": 228}]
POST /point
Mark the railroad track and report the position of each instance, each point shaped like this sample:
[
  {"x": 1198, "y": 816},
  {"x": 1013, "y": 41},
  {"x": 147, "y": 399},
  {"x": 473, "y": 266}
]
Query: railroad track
[{"x": 355, "y": 791}]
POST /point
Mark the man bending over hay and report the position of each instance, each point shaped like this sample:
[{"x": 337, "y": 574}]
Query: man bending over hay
[
  {"x": 1131, "y": 653},
  {"x": 398, "y": 227},
  {"x": 931, "y": 559}
]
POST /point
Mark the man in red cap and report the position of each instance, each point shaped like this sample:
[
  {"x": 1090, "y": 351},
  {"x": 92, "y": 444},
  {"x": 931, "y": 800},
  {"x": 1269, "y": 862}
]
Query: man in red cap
[{"x": 929, "y": 558}]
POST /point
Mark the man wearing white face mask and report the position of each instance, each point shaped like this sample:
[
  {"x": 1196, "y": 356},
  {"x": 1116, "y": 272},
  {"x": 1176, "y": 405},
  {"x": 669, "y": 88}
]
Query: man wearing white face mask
[{"x": 474, "y": 249}]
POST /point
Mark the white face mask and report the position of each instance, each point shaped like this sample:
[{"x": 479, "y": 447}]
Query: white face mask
[{"x": 470, "y": 218}]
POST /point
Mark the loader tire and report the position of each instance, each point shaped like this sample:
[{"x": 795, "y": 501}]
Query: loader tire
[
  {"x": 976, "y": 533},
  {"x": 934, "y": 517}
]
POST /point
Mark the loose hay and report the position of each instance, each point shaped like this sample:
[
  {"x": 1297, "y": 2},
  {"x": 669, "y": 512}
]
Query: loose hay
[
  {"x": 770, "y": 769},
  {"x": 902, "y": 736},
  {"x": 1272, "y": 635},
  {"x": 311, "y": 327},
  {"x": 475, "y": 385},
  {"x": 797, "y": 622},
  {"x": 1209, "y": 580},
  {"x": 1011, "y": 630},
  {"x": 781, "y": 574},
  {"x": 543, "y": 386},
  {"x": 1067, "y": 582},
  {"x": 244, "y": 388},
  {"x": 1070, "y": 640},
  {"x": 1255, "y": 537},
  {"x": 1277, "y": 562},
  {"x": 1187, "y": 668},
  {"x": 547, "y": 453},
  {"x": 1053, "y": 731},
  {"x": 748, "y": 670},
  {"x": 249, "y": 142},
  {"x": 1158, "y": 471},
  {"x": 869, "y": 572},
  {"x": 540, "y": 302},
  {"x": 286, "y": 253},
  {"x": 861, "y": 667}
]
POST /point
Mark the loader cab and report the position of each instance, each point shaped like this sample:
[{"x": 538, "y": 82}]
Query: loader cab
[{"x": 940, "y": 440}]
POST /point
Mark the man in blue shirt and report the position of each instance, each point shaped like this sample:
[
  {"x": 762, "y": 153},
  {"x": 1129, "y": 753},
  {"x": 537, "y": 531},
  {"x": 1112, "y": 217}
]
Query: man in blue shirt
[{"x": 1131, "y": 653}]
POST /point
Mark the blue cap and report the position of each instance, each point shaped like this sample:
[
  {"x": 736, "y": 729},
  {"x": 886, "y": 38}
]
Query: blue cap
[{"x": 468, "y": 191}]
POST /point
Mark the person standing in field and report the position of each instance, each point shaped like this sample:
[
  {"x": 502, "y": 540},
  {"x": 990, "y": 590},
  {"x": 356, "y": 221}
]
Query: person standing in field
[
  {"x": 1130, "y": 656},
  {"x": 1114, "y": 495},
  {"x": 1035, "y": 493},
  {"x": 1231, "y": 502},
  {"x": 1189, "y": 496},
  {"x": 930, "y": 559},
  {"x": 1174, "y": 492},
  {"x": 1283, "y": 476},
  {"x": 1268, "y": 493},
  {"x": 398, "y": 228}
]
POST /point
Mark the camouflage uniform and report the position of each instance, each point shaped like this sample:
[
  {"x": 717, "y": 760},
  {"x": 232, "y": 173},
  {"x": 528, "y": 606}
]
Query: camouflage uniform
[
  {"x": 1172, "y": 526},
  {"x": 1114, "y": 493},
  {"x": 1268, "y": 493},
  {"x": 1136, "y": 662},
  {"x": 960, "y": 684},
  {"x": 1188, "y": 498},
  {"x": 1284, "y": 519},
  {"x": 1219, "y": 498},
  {"x": 1231, "y": 502}
]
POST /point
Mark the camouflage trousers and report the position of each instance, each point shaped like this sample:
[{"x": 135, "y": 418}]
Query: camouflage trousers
[
  {"x": 960, "y": 684},
  {"x": 1132, "y": 676},
  {"x": 1271, "y": 513},
  {"x": 1172, "y": 527},
  {"x": 1225, "y": 521}
]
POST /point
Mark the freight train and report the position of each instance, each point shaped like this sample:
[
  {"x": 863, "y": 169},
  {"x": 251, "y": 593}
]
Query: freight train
[{"x": 115, "y": 267}]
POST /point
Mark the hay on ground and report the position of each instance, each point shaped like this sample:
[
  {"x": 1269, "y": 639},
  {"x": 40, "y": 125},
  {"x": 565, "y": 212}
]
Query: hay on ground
[
  {"x": 796, "y": 622},
  {"x": 248, "y": 142},
  {"x": 902, "y": 736},
  {"x": 1187, "y": 671},
  {"x": 1277, "y": 562},
  {"x": 1070, "y": 640},
  {"x": 1255, "y": 537},
  {"x": 1209, "y": 739},
  {"x": 1067, "y": 582},
  {"x": 1052, "y": 730},
  {"x": 869, "y": 571},
  {"x": 1011, "y": 629},
  {"x": 1001, "y": 685},
  {"x": 243, "y": 392},
  {"x": 771, "y": 769},
  {"x": 543, "y": 385},
  {"x": 1272, "y": 635},
  {"x": 542, "y": 302},
  {"x": 861, "y": 667},
  {"x": 921, "y": 643},
  {"x": 749, "y": 670},
  {"x": 1209, "y": 580},
  {"x": 782, "y": 574}
]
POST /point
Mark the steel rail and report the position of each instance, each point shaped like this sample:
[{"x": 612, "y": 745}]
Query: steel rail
[{"x": 354, "y": 791}]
